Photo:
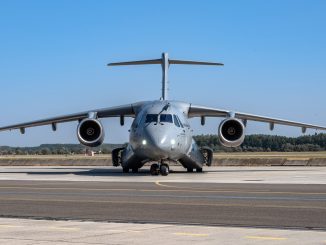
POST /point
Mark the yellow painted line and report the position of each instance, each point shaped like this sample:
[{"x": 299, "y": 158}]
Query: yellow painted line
[
  {"x": 64, "y": 228},
  {"x": 122, "y": 231},
  {"x": 11, "y": 226},
  {"x": 236, "y": 190},
  {"x": 266, "y": 238},
  {"x": 131, "y": 231},
  {"x": 297, "y": 159},
  {"x": 190, "y": 234},
  {"x": 63, "y": 188},
  {"x": 112, "y": 230},
  {"x": 159, "y": 184},
  {"x": 176, "y": 189},
  {"x": 163, "y": 203}
]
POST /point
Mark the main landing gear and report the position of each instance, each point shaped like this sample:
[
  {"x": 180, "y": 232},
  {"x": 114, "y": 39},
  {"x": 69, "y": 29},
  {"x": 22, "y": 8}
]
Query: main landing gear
[{"x": 156, "y": 169}]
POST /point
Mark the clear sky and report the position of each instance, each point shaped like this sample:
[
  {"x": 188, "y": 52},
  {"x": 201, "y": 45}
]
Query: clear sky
[{"x": 53, "y": 57}]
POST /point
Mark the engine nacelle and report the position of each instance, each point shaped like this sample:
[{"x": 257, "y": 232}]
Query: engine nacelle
[
  {"x": 231, "y": 132},
  {"x": 90, "y": 132}
]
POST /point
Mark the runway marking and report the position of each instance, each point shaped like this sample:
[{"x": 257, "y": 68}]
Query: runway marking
[
  {"x": 11, "y": 226},
  {"x": 64, "y": 188},
  {"x": 176, "y": 189},
  {"x": 266, "y": 238},
  {"x": 168, "y": 195},
  {"x": 163, "y": 203},
  {"x": 68, "y": 229},
  {"x": 190, "y": 234},
  {"x": 123, "y": 231},
  {"x": 159, "y": 184},
  {"x": 131, "y": 231},
  {"x": 237, "y": 190}
]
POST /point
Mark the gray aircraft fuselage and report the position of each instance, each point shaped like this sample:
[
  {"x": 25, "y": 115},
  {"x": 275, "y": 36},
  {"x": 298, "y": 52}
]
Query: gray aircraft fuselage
[{"x": 161, "y": 131}]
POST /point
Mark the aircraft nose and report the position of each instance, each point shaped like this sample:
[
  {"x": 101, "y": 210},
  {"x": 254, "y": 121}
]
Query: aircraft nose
[{"x": 159, "y": 143}]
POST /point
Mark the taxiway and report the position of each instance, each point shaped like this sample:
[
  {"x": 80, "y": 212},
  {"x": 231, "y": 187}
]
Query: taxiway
[{"x": 250, "y": 199}]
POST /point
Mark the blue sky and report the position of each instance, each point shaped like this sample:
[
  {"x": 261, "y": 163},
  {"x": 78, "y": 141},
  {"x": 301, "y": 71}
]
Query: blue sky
[{"x": 53, "y": 57}]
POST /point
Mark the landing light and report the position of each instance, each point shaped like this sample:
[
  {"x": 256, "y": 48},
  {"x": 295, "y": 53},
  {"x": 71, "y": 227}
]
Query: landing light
[
  {"x": 144, "y": 142},
  {"x": 173, "y": 142},
  {"x": 163, "y": 140}
]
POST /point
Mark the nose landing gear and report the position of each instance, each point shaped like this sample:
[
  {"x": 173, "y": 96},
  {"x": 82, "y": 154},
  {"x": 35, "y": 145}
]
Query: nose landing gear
[
  {"x": 164, "y": 169},
  {"x": 156, "y": 169}
]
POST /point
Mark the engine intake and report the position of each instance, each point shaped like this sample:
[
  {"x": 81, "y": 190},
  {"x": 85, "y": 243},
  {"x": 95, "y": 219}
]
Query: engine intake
[
  {"x": 90, "y": 132},
  {"x": 231, "y": 132}
]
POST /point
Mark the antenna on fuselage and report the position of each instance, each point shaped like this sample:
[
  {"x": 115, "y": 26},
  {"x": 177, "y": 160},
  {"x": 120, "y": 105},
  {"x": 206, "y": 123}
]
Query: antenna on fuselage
[{"x": 165, "y": 62}]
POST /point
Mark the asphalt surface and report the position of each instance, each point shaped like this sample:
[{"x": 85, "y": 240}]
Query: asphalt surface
[{"x": 250, "y": 205}]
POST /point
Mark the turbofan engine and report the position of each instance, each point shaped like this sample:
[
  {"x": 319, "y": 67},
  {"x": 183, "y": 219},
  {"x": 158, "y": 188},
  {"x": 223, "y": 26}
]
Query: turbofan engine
[
  {"x": 231, "y": 132},
  {"x": 90, "y": 132}
]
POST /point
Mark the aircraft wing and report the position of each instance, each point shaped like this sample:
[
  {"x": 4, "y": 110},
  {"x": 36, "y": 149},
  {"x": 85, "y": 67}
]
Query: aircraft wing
[
  {"x": 124, "y": 110},
  {"x": 202, "y": 111}
]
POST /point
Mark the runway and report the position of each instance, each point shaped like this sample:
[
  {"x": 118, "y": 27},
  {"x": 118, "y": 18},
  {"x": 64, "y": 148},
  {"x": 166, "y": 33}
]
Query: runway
[{"x": 298, "y": 206}]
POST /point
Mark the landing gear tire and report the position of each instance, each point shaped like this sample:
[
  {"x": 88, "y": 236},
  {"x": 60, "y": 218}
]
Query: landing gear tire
[
  {"x": 135, "y": 170},
  {"x": 154, "y": 170},
  {"x": 125, "y": 170},
  {"x": 199, "y": 170},
  {"x": 164, "y": 169},
  {"x": 190, "y": 170}
]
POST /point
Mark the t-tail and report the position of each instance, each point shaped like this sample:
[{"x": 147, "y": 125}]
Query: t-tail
[{"x": 165, "y": 62}]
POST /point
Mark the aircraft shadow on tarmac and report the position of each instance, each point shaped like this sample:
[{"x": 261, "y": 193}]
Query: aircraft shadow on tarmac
[
  {"x": 89, "y": 172},
  {"x": 142, "y": 172}
]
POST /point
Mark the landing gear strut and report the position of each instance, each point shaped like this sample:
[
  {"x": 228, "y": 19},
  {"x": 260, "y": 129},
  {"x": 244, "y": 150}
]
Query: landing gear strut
[{"x": 155, "y": 169}]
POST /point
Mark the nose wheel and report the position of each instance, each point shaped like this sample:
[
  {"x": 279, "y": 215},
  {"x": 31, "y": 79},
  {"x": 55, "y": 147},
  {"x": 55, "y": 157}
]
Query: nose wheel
[
  {"x": 157, "y": 169},
  {"x": 164, "y": 169}
]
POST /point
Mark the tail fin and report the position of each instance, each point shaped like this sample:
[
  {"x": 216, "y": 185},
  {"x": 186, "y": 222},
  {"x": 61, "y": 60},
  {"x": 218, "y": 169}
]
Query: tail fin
[{"x": 165, "y": 62}]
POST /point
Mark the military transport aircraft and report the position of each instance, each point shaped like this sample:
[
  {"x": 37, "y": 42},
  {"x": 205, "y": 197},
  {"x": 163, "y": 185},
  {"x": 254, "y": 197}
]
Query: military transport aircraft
[{"x": 160, "y": 131}]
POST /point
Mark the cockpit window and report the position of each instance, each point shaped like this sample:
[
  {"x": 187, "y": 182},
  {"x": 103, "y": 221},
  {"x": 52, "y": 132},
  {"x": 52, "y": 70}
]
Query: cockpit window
[
  {"x": 181, "y": 125},
  {"x": 151, "y": 118},
  {"x": 176, "y": 122},
  {"x": 166, "y": 118}
]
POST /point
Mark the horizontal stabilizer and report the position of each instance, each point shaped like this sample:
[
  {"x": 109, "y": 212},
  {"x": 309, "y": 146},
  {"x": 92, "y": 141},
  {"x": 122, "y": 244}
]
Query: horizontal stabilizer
[
  {"x": 165, "y": 62},
  {"x": 160, "y": 61},
  {"x": 138, "y": 62},
  {"x": 189, "y": 62}
]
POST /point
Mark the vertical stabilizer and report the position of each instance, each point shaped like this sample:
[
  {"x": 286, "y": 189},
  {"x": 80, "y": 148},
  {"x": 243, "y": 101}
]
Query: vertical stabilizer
[{"x": 165, "y": 76}]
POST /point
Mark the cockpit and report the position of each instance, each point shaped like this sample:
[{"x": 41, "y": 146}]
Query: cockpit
[{"x": 164, "y": 118}]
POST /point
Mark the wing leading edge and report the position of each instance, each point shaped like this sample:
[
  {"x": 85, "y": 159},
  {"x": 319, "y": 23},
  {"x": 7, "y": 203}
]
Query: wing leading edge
[
  {"x": 118, "y": 111},
  {"x": 202, "y": 111}
]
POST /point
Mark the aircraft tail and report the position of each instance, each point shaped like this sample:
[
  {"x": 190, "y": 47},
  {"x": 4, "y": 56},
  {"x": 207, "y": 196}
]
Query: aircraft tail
[{"x": 165, "y": 62}]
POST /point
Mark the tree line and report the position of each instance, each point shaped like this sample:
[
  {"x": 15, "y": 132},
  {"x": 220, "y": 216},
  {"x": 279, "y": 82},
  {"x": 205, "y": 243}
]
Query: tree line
[
  {"x": 267, "y": 143},
  {"x": 57, "y": 149},
  {"x": 252, "y": 143}
]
